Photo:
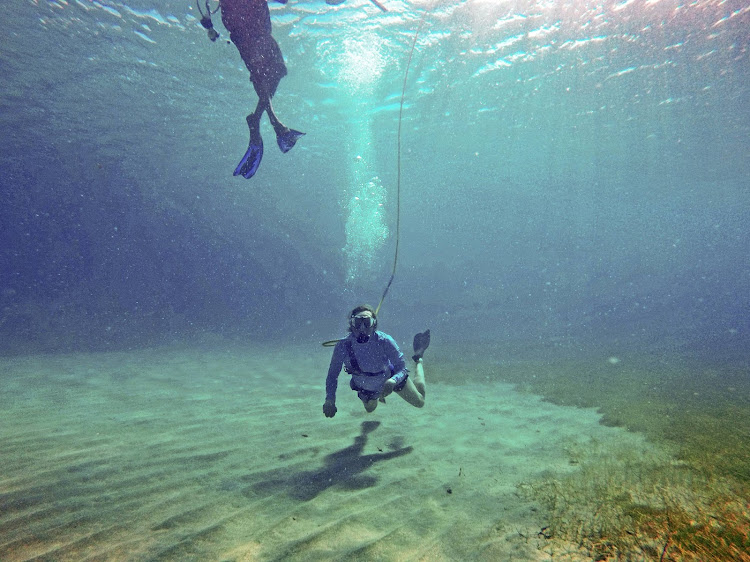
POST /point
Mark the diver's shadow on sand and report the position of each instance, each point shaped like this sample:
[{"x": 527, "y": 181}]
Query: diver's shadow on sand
[{"x": 343, "y": 468}]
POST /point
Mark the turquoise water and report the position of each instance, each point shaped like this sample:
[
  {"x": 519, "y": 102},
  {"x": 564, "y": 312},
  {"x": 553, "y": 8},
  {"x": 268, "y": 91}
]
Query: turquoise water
[{"x": 570, "y": 170}]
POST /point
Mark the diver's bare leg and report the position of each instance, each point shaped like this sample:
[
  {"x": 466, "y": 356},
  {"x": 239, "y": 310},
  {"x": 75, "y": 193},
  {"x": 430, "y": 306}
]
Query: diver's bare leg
[
  {"x": 411, "y": 394},
  {"x": 272, "y": 116},
  {"x": 419, "y": 381},
  {"x": 277, "y": 125},
  {"x": 414, "y": 390},
  {"x": 253, "y": 120},
  {"x": 285, "y": 137}
]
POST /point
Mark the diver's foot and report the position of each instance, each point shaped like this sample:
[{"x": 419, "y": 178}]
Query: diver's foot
[
  {"x": 251, "y": 160},
  {"x": 287, "y": 138},
  {"x": 421, "y": 343}
]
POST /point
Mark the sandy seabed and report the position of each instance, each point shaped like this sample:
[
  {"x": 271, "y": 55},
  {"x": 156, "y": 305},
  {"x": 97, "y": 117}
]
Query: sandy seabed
[{"x": 192, "y": 454}]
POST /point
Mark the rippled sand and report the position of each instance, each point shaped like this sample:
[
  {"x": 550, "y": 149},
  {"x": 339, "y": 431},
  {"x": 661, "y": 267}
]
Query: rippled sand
[{"x": 188, "y": 454}]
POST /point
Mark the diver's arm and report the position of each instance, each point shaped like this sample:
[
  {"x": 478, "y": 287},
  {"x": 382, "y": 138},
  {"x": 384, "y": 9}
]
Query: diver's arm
[
  {"x": 332, "y": 380},
  {"x": 394, "y": 355},
  {"x": 400, "y": 372}
]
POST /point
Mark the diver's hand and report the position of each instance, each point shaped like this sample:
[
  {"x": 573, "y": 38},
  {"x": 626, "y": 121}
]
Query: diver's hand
[
  {"x": 388, "y": 387},
  {"x": 329, "y": 408}
]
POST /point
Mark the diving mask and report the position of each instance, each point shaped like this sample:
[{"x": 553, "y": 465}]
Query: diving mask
[{"x": 362, "y": 322}]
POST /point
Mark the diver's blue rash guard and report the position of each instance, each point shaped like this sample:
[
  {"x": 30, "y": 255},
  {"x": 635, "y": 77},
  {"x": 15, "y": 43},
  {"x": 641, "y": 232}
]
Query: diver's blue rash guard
[{"x": 379, "y": 355}]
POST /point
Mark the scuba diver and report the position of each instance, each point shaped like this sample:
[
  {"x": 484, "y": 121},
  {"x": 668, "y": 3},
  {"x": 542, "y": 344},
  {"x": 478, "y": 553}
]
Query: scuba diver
[
  {"x": 375, "y": 363},
  {"x": 249, "y": 26}
]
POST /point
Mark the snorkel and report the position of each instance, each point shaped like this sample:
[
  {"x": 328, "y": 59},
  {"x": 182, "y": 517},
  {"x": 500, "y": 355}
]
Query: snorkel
[
  {"x": 337, "y": 2},
  {"x": 379, "y": 5}
]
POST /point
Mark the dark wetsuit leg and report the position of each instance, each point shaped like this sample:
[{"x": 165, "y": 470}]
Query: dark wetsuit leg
[{"x": 249, "y": 26}]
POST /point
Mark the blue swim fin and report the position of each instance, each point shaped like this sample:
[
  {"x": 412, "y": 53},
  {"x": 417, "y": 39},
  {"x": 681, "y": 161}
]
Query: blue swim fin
[
  {"x": 251, "y": 160},
  {"x": 287, "y": 139}
]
